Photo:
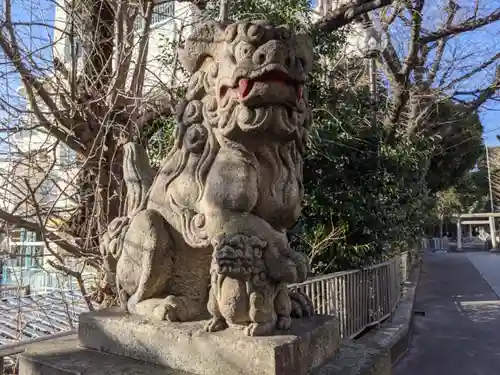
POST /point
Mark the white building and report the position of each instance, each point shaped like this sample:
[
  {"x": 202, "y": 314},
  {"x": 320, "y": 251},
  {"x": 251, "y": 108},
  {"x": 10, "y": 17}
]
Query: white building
[
  {"x": 168, "y": 20},
  {"x": 33, "y": 164},
  {"x": 37, "y": 152},
  {"x": 361, "y": 39},
  {"x": 24, "y": 253}
]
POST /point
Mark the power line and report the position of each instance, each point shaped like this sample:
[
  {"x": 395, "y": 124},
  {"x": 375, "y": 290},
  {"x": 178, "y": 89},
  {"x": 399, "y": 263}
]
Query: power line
[{"x": 468, "y": 139}]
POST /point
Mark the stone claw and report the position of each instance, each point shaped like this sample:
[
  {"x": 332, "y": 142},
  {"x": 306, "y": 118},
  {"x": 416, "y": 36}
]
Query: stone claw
[
  {"x": 284, "y": 323},
  {"x": 259, "y": 329},
  {"x": 175, "y": 309},
  {"x": 171, "y": 308},
  {"x": 215, "y": 325}
]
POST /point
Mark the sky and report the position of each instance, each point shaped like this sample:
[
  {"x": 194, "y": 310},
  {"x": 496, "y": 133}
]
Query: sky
[
  {"x": 464, "y": 53},
  {"x": 487, "y": 40},
  {"x": 476, "y": 44},
  {"x": 491, "y": 122}
]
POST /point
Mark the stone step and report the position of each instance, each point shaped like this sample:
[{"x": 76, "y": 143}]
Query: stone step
[{"x": 63, "y": 356}]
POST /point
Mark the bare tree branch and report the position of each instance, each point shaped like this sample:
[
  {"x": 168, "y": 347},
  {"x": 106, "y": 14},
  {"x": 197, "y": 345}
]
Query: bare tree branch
[
  {"x": 413, "y": 76},
  {"x": 348, "y": 13},
  {"x": 414, "y": 44},
  {"x": 51, "y": 236},
  {"x": 441, "y": 44},
  {"x": 469, "y": 25}
]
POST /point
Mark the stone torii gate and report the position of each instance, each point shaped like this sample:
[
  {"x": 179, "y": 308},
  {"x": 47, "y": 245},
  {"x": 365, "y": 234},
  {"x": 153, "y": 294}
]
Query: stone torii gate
[{"x": 477, "y": 219}]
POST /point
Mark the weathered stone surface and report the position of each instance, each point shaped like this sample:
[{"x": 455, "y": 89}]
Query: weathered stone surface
[
  {"x": 217, "y": 210},
  {"x": 64, "y": 357},
  {"x": 355, "y": 358},
  {"x": 186, "y": 346}
]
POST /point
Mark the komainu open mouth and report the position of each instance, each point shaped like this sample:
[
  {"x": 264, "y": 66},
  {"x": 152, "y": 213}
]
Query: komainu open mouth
[{"x": 245, "y": 85}]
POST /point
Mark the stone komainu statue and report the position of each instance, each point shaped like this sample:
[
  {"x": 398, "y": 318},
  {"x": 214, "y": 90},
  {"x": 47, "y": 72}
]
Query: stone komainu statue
[{"x": 208, "y": 232}]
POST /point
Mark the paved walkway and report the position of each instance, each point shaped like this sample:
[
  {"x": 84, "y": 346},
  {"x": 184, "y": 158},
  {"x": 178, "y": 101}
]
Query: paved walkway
[
  {"x": 460, "y": 332},
  {"x": 488, "y": 266}
]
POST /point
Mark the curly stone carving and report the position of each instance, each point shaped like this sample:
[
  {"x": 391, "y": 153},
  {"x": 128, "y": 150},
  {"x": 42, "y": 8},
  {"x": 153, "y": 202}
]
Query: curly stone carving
[
  {"x": 217, "y": 211},
  {"x": 242, "y": 294}
]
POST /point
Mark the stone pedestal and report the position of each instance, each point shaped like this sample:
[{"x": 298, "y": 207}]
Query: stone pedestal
[
  {"x": 185, "y": 346},
  {"x": 145, "y": 348},
  {"x": 63, "y": 356}
]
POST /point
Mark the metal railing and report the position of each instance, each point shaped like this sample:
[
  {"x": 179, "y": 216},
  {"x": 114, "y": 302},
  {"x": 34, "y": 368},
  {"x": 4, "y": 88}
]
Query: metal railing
[
  {"x": 39, "y": 279},
  {"x": 28, "y": 319},
  {"x": 14, "y": 290},
  {"x": 436, "y": 243},
  {"x": 360, "y": 298},
  {"x": 35, "y": 272}
]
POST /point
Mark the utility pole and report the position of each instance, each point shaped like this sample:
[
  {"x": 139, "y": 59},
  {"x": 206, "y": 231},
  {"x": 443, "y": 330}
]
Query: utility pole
[
  {"x": 370, "y": 49},
  {"x": 493, "y": 231},
  {"x": 489, "y": 179},
  {"x": 372, "y": 72}
]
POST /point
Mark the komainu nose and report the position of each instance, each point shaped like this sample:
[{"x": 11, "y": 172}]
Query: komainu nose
[{"x": 273, "y": 52}]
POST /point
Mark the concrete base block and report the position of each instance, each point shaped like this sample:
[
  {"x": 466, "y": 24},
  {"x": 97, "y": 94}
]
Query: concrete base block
[
  {"x": 184, "y": 346},
  {"x": 63, "y": 357}
]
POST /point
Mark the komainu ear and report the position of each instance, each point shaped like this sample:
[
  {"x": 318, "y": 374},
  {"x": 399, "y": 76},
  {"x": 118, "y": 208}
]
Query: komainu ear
[{"x": 201, "y": 43}]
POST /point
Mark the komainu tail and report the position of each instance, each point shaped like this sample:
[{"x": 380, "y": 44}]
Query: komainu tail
[{"x": 138, "y": 176}]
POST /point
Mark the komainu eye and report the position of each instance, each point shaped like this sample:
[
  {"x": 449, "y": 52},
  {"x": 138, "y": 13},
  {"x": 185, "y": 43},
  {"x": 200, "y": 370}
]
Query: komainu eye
[{"x": 243, "y": 51}]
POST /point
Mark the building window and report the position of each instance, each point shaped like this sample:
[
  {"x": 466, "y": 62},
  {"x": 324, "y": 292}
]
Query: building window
[
  {"x": 161, "y": 12},
  {"x": 38, "y": 257},
  {"x": 27, "y": 236}
]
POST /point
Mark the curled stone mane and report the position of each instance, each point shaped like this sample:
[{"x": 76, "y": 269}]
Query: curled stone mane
[
  {"x": 193, "y": 135},
  {"x": 208, "y": 117}
]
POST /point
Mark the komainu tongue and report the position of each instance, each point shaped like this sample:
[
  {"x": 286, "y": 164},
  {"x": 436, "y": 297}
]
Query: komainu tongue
[{"x": 243, "y": 87}]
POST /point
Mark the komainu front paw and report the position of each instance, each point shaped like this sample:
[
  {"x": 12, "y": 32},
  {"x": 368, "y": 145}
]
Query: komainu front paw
[
  {"x": 284, "y": 323},
  {"x": 259, "y": 329},
  {"x": 171, "y": 308},
  {"x": 216, "y": 325},
  {"x": 302, "y": 305},
  {"x": 176, "y": 309}
]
